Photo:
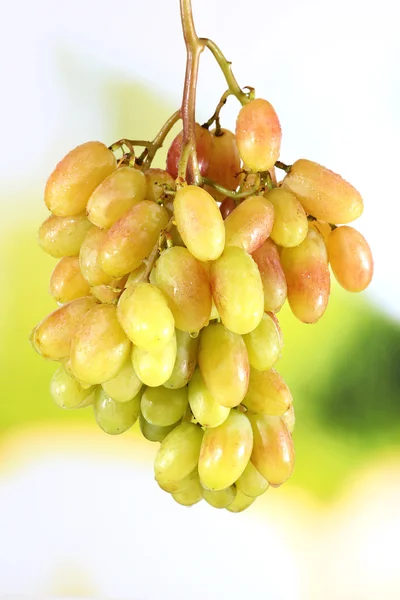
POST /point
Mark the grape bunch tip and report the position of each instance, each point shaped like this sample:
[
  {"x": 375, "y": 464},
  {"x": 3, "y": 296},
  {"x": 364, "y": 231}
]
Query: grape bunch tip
[{"x": 169, "y": 282}]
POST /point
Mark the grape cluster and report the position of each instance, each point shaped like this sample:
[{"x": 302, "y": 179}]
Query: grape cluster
[{"x": 168, "y": 295}]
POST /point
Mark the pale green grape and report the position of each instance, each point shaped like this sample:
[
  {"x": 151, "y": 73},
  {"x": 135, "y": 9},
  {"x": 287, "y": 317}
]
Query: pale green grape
[
  {"x": 220, "y": 499},
  {"x": 66, "y": 391},
  {"x": 190, "y": 495},
  {"x": 125, "y": 385},
  {"x": 178, "y": 486},
  {"x": 264, "y": 344},
  {"x": 267, "y": 393},
  {"x": 251, "y": 482},
  {"x": 63, "y": 236},
  {"x": 178, "y": 454},
  {"x": 240, "y": 503},
  {"x": 206, "y": 410},
  {"x": 155, "y": 368},
  {"x": 115, "y": 417},
  {"x": 161, "y": 406},
  {"x": 186, "y": 359},
  {"x": 153, "y": 433}
]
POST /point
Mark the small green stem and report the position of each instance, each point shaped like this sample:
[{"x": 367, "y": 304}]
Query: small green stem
[
  {"x": 283, "y": 167},
  {"x": 230, "y": 193},
  {"x": 215, "y": 116},
  {"x": 158, "y": 141}
]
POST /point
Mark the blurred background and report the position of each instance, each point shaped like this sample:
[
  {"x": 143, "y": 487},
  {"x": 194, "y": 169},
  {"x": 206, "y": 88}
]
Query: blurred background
[{"x": 80, "y": 514}]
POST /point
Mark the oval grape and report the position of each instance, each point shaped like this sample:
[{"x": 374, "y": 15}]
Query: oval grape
[
  {"x": 125, "y": 385},
  {"x": 155, "y": 368},
  {"x": 186, "y": 360},
  {"x": 351, "y": 258},
  {"x": 115, "y": 417},
  {"x": 67, "y": 282},
  {"x": 267, "y": 393},
  {"x": 206, "y": 410},
  {"x": 163, "y": 407},
  {"x": 63, "y": 236},
  {"x": 178, "y": 454},
  {"x": 250, "y": 224},
  {"x": 290, "y": 220},
  {"x": 272, "y": 276}
]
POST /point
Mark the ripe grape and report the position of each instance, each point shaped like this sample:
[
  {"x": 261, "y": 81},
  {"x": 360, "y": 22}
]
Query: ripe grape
[
  {"x": 162, "y": 407},
  {"x": 320, "y": 227},
  {"x": 226, "y": 207},
  {"x": 290, "y": 220},
  {"x": 110, "y": 292},
  {"x": 178, "y": 486},
  {"x": 240, "y": 503},
  {"x": 125, "y": 385},
  {"x": 224, "y": 162},
  {"x": 267, "y": 393},
  {"x": 251, "y": 482},
  {"x": 89, "y": 257},
  {"x": 289, "y": 418},
  {"x": 115, "y": 417},
  {"x": 220, "y": 499},
  {"x": 264, "y": 343},
  {"x": 178, "y": 454},
  {"x": 186, "y": 360},
  {"x": 63, "y": 236},
  {"x": 155, "y": 368},
  {"x": 203, "y": 150},
  {"x": 351, "y": 258},
  {"x": 206, "y": 410},
  {"x": 153, "y": 433},
  {"x": 250, "y": 224},
  {"x": 67, "y": 282},
  {"x": 190, "y": 495},
  {"x": 66, "y": 391},
  {"x": 76, "y": 177},
  {"x": 158, "y": 181},
  {"x": 272, "y": 276}
]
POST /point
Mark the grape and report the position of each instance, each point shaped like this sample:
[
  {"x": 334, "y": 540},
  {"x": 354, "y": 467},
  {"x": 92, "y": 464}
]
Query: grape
[
  {"x": 155, "y": 368},
  {"x": 199, "y": 222},
  {"x": 206, "y": 410},
  {"x": 52, "y": 337},
  {"x": 251, "y": 482},
  {"x": 226, "y": 207},
  {"x": 184, "y": 282},
  {"x": 63, "y": 236},
  {"x": 115, "y": 417},
  {"x": 178, "y": 454},
  {"x": 131, "y": 239},
  {"x": 99, "y": 347},
  {"x": 76, "y": 176},
  {"x": 351, "y": 258},
  {"x": 185, "y": 362},
  {"x": 145, "y": 317},
  {"x": 273, "y": 452},
  {"x": 153, "y": 433},
  {"x": 272, "y": 276},
  {"x": 248, "y": 180},
  {"x": 224, "y": 162},
  {"x": 267, "y": 393},
  {"x": 158, "y": 181},
  {"x": 289, "y": 418},
  {"x": 240, "y": 503},
  {"x": 136, "y": 276},
  {"x": 67, "y": 282},
  {"x": 307, "y": 276},
  {"x": 250, "y": 224},
  {"x": 323, "y": 194},
  {"x": 264, "y": 344},
  {"x": 320, "y": 227},
  {"x": 237, "y": 290},
  {"x": 224, "y": 364},
  {"x": 89, "y": 257},
  {"x": 225, "y": 452},
  {"x": 190, "y": 495},
  {"x": 66, "y": 391},
  {"x": 125, "y": 385},
  {"x": 177, "y": 486},
  {"x": 119, "y": 192},
  {"x": 220, "y": 499},
  {"x": 162, "y": 407},
  {"x": 258, "y": 135},
  {"x": 110, "y": 292},
  {"x": 290, "y": 222},
  {"x": 203, "y": 150}
]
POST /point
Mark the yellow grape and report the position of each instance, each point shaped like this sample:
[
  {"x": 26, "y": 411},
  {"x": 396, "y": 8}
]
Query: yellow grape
[
  {"x": 63, "y": 236},
  {"x": 273, "y": 452},
  {"x": 199, "y": 222},
  {"x": 155, "y": 368},
  {"x": 131, "y": 239},
  {"x": 264, "y": 344},
  {"x": 115, "y": 417},
  {"x": 119, "y": 192},
  {"x": 320, "y": 227},
  {"x": 272, "y": 276},
  {"x": 99, "y": 348},
  {"x": 52, "y": 337},
  {"x": 351, "y": 258},
  {"x": 178, "y": 454},
  {"x": 258, "y": 135},
  {"x": 184, "y": 282},
  {"x": 224, "y": 163},
  {"x": 153, "y": 433},
  {"x": 240, "y": 503},
  {"x": 267, "y": 393},
  {"x": 323, "y": 194},
  {"x": 136, "y": 276},
  {"x": 67, "y": 282},
  {"x": 66, "y": 391},
  {"x": 125, "y": 385},
  {"x": 89, "y": 257},
  {"x": 206, "y": 410},
  {"x": 237, "y": 290},
  {"x": 289, "y": 418},
  {"x": 186, "y": 360},
  {"x": 158, "y": 181},
  {"x": 190, "y": 495},
  {"x": 290, "y": 221},
  {"x": 251, "y": 482},
  {"x": 161, "y": 406},
  {"x": 224, "y": 364},
  {"x": 76, "y": 176},
  {"x": 145, "y": 317},
  {"x": 220, "y": 499},
  {"x": 225, "y": 452},
  {"x": 307, "y": 276},
  {"x": 250, "y": 224},
  {"x": 110, "y": 292},
  {"x": 178, "y": 486}
]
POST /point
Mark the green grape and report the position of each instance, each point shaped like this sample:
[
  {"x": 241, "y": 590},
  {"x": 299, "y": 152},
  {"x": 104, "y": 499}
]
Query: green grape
[
  {"x": 178, "y": 486},
  {"x": 290, "y": 220},
  {"x": 224, "y": 162},
  {"x": 264, "y": 344},
  {"x": 155, "y": 368},
  {"x": 52, "y": 337},
  {"x": 145, "y": 317},
  {"x": 206, "y": 410},
  {"x": 273, "y": 452},
  {"x": 237, "y": 290},
  {"x": 199, "y": 222},
  {"x": 189, "y": 298},
  {"x": 251, "y": 483},
  {"x": 272, "y": 276},
  {"x": 110, "y": 292},
  {"x": 115, "y": 417},
  {"x": 66, "y": 391},
  {"x": 99, "y": 348},
  {"x": 190, "y": 495},
  {"x": 76, "y": 176},
  {"x": 63, "y": 236},
  {"x": 153, "y": 433},
  {"x": 89, "y": 257},
  {"x": 240, "y": 503},
  {"x": 131, "y": 239},
  {"x": 289, "y": 418},
  {"x": 125, "y": 385},
  {"x": 220, "y": 499},
  {"x": 267, "y": 393},
  {"x": 178, "y": 454},
  {"x": 225, "y": 452},
  {"x": 67, "y": 282},
  {"x": 224, "y": 364},
  {"x": 186, "y": 359},
  {"x": 351, "y": 258},
  {"x": 161, "y": 406},
  {"x": 250, "y": 224},
  {"x": 136, "y": 276},
  {"x": 119, "y": 192},
  {"x": 158, "y": 181}
]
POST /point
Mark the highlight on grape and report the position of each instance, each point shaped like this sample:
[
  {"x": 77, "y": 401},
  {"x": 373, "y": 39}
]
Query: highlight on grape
[{"x": 169, "y": 281}]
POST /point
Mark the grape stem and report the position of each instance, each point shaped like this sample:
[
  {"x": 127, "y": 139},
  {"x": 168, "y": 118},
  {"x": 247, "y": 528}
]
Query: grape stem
[
  {"x": 283, "y": 167},
  {"x": 158, "y": 141},
  {"x": 230, "y": 193},
  {"x": 215, "y": 116}
]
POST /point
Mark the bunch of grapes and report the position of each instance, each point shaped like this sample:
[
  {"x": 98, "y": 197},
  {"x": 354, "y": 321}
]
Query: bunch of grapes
[{"x": 168, "y": 295}]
